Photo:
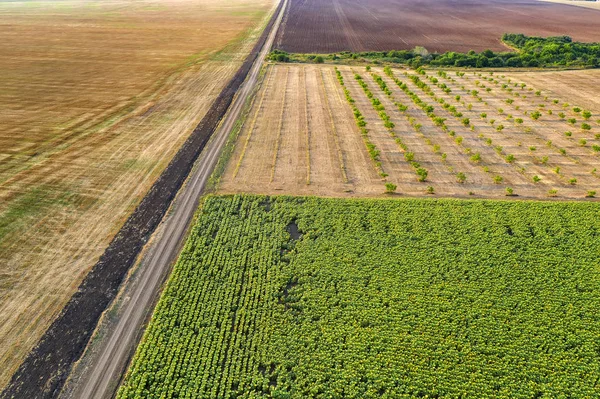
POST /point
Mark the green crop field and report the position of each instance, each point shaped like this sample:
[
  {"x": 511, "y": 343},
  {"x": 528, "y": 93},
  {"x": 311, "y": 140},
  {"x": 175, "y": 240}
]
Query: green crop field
[{"x": 378, "y": 299}]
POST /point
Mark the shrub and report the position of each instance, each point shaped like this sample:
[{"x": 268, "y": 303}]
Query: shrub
[
  {"x": 461, "y": 177},
  {"x": 498, "y": 179},
  {"x": 536, "y": 179},
  {"x": 552, "y": 192},
  {"x": 430, "y": 190},
  {"x": 390, "y": 188},
  {"x": 586, "y": 126},
  {"x": 590, "y": 194},
  {"x": 509, "y": 192},
  {"x": 422, "y": 173}
]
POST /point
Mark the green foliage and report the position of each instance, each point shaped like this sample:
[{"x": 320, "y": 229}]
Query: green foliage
[
  {"x": 377, "y": 298},
  {"x": 390, "y": 188},
  {"x": 278, "y": 56},
  {"x": 546, "y": 52}
]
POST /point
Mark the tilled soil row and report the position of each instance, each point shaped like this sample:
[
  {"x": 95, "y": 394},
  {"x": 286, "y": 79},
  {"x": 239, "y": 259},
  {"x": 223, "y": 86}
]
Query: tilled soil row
[{"x": 46, "y": 368}]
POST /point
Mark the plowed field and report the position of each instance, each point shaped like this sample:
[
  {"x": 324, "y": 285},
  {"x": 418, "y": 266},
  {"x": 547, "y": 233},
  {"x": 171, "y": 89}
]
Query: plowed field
[{"x": 317, "y": 26}]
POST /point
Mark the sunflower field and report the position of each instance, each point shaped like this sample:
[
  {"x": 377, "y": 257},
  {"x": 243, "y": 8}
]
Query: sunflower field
[{"x": 293, "y": 297}]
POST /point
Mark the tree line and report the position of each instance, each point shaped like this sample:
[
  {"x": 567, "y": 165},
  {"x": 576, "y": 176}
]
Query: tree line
[{"x": 529, "y": 51}]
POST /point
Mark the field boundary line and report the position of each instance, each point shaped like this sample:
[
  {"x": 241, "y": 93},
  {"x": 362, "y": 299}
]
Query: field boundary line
[{"x": 280, "y": 125}]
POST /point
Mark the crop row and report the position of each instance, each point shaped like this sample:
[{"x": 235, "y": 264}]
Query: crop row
[
  {"x": 389, "y": 125},
  {"x": 289, "y": 297},
  {"x": 374, "y": 153}
]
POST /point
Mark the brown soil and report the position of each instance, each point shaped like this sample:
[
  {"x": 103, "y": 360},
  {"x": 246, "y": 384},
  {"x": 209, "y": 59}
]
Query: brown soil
[
  {"x": 316, "y": 26},
  {"x": 338, "y": 163}
]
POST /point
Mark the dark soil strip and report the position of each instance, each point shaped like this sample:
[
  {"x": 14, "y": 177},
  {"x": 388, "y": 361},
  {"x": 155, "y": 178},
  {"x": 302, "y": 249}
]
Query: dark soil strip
[{"x": 46, "y": 368}]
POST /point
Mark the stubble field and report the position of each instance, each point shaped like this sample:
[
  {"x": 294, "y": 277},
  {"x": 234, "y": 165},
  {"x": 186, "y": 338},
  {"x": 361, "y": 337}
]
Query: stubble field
[
  {"x": 315, "y": 26},
  {"x": 96, "y": 98},
  {"x": 474, "y": 133}
]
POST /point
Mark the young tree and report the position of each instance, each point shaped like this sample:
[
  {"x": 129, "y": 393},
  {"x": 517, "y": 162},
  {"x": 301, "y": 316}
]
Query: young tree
[{"x": 390, "y": 188}]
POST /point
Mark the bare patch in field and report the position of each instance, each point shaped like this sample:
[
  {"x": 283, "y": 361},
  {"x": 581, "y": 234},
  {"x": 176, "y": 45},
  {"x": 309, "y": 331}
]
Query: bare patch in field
[
  {"x": 301, "y": 137},
  {"x": 96, "y": 99}
]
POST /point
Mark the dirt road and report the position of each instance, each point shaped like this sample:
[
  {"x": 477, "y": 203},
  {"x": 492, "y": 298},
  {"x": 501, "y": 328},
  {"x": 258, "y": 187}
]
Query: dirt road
[{"x": 116, "y": 347}]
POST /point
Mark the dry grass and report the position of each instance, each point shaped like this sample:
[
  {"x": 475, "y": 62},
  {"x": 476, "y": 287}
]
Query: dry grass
[
  {"x": 579, "y": 87},
  {"x": 96, "y": 98},
  {"x": 525, "y": 153},
  {"x": 594, "y": 5}
]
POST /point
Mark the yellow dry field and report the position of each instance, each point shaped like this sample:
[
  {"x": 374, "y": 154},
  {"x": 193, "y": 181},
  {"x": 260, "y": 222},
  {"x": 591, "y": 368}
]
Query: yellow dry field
[
  {"x": 96, "y": 97},
  {"x": 579, "y": 87},
  {"x": 301, "y": 137},
  {"x": 594, "y": 5}
]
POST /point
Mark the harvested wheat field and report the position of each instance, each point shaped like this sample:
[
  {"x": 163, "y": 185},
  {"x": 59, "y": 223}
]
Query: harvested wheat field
[
  {"x": 96, "y": 98},
  {"x": 578, "y": 86},
  {"x": 317, "y": 26},
  {"x": 456, "y": 134}
]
